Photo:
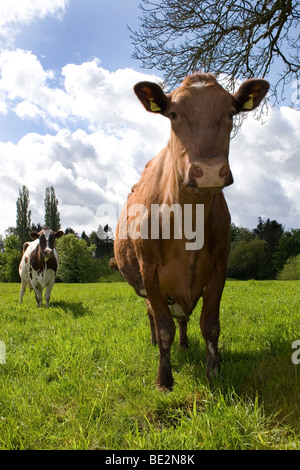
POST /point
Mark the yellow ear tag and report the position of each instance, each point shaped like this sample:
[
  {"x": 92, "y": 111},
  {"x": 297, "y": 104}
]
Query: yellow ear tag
[
  {"x": 249, "y": 103},
  {"x": 154, "y": 107}
]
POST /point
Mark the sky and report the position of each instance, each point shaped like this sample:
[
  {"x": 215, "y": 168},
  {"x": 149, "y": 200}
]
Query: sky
[{"x": 69, "y": 119}]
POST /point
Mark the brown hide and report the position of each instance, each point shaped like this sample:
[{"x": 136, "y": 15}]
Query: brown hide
[{"x": 192, "y": 169}]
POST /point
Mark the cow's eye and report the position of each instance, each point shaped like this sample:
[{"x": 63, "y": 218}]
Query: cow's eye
[
  {"x": 232, "y": 113},
  {"x": 173, "y": 115}
]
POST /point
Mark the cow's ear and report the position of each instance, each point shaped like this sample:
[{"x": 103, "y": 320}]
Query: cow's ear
[
  {"x": 250, "y": 94},
  {"x": 59, "y": 234},
  {"x": 34, "y": 235},
  {"x": 151, "y": 96}
]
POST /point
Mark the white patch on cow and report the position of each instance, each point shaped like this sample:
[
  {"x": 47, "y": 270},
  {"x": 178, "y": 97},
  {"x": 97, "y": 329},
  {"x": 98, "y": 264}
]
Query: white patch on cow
[
  {"x": 211, "y": 349},
  {"x": 47, "y": 233},
  {"x": 199, "y": 84},
  {"x": 143, "y": 292},
  {"x": 176, "y": 311},
  {"x": 47, "y": 236}
]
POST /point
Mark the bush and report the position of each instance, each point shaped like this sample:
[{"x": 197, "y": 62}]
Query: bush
[
  {"x": 291, "y": 270},
  {"x": 10, "y": 260},
  {"x": 248, "y": 260},
  {"x": 76, "y": 260}
]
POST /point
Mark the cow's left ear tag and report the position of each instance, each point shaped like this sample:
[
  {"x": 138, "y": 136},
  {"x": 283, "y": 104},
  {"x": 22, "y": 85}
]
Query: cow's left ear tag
[
  {"x": 153, "y": 106},
  {"x": 249, "y": 103}
]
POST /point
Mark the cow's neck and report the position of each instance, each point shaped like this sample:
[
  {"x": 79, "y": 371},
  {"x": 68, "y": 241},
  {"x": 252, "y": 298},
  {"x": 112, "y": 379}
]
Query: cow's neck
[{"x": 45, "y": 263}]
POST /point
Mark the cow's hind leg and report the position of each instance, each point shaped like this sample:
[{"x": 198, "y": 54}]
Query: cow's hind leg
[
  {"x": 48, "y": 294},
  {"x": 151, "y": 322},
  {"x": 183, "y": 339}
]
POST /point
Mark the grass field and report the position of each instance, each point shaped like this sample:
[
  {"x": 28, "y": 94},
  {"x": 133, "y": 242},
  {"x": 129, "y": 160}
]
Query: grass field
[{"x": 81, "y": 374}]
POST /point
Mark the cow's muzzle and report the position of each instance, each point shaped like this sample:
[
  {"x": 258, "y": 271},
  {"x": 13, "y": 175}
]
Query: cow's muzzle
[
  {"x": 48, "y": 253},
  {"x": 209, "y": 173}
]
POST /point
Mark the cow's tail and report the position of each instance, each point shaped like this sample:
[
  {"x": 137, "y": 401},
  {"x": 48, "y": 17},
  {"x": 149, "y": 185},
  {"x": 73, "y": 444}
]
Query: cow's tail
[{"x": 113, "y": 264}]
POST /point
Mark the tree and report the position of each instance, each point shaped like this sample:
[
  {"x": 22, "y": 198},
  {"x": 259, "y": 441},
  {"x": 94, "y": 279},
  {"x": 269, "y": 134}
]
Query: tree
[
  {"x": 291, "y": 270},
  {"x": 239, "y": 234},
  {"x": 103, "y": 241},
  {"x": 36, "y": 227},
  {"x": 85, "y": 237},
  {"x": 288, "y": 247},
  {"x": 10, "y": 259},
  {"x": 23, "y": 215},
  {"x": 270, "y": 231},
  {"x": 76, "y": 260},
  {"x": 248, "y": 260},
  {"x": 236, "y": 38},
  {"x": 70, "y": 230},
  {"x": 52, "y": 216}
]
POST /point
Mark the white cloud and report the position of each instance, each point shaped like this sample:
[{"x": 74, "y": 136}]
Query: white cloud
[
  {"x": 88, "y": 93},
  {"x": 90, "y": 169},
  {"x": 16, "y": 12},
  {"x": 265, "y": 165},
  {"x": 115, "y": 137},
  {"x": 86, "y": 170}
]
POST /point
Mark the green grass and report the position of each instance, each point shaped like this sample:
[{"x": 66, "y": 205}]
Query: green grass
[{"x": 81, "y": 374}]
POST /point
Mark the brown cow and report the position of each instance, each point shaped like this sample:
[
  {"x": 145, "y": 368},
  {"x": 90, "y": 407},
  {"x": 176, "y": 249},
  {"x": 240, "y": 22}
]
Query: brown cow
[{"x": 190, "y": 172}]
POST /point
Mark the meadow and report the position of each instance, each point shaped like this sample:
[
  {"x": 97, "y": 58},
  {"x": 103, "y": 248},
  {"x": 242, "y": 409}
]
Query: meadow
[{"x": 81, "y": 374}]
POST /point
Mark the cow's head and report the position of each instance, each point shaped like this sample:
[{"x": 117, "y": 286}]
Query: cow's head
[
  {"x": 47, "y": 240},
  {"x": 201, "y": 114}
]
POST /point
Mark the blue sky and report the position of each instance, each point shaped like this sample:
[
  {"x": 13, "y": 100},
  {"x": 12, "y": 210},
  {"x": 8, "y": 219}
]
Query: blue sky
[
  {"x": 69, "y": 119},
  {"x": 88, "y": 29}
]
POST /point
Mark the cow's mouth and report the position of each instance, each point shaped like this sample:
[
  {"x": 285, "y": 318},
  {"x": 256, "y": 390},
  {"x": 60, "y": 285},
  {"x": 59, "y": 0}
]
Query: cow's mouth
[{"x": 192, "y": 185}]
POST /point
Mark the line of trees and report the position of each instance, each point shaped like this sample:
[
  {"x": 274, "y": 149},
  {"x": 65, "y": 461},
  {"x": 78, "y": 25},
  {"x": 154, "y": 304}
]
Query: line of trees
[
  {"x": 266, "y": 252},
  {"x": 24, "y": 226},
  {"x": 263, "y": 252}
]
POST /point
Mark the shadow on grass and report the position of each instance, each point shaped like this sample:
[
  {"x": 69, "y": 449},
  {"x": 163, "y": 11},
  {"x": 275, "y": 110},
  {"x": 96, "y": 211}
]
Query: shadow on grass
[
  {"x": 268, "y": 375},
  {"x": 77, "y": 309}
]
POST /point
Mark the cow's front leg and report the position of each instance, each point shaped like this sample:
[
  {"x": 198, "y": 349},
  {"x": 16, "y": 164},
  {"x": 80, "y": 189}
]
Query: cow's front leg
[
  {"x": 209, "y": 320},
  {"x": 183, "y": 339},
  {"x": 165, "y": 333},
  {"x": 48, "y": 294},
  {"x": 38, "y": 295},
  {"x": 210, "y": 328}
]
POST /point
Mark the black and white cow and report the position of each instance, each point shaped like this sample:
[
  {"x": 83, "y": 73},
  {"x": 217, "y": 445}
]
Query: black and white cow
[{"x": 39, "y": 264}]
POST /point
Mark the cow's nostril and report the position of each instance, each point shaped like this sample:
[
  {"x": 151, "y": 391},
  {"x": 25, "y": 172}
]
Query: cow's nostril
[
  {"x": 224, "y": 171},
  {"x": 196, "y": 172}
]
